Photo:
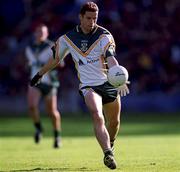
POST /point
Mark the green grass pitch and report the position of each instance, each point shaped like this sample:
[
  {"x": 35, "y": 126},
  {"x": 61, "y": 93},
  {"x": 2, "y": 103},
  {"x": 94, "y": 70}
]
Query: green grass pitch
[{"x": 146, "y": 143}]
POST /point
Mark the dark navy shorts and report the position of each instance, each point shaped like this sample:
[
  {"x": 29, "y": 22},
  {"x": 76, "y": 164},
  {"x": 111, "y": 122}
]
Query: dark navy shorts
[
  {"x": 106, "y": 91},
  {"x": 46, "y": 89}
]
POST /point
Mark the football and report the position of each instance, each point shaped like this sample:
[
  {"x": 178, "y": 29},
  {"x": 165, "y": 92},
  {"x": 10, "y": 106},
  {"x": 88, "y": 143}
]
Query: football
[{"x": 117, "y": 75}]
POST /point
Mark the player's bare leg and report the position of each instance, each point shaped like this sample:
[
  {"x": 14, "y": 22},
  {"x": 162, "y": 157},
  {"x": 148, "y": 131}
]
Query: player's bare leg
[
  {"x": 33, "y": 102},
  {"x": 51, "y": 107},
  {"x": 94, "y": 104},
  {"x": 112, "y": 114}
]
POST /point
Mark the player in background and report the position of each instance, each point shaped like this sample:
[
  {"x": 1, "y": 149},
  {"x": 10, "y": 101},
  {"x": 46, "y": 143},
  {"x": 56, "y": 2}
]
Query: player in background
[
  {"x": 38, "y": 53},
  {"x": 93, "y": 50}
]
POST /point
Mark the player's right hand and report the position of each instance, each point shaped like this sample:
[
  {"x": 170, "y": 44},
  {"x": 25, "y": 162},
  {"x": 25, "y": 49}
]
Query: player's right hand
[{"x": 35, "y": 80}]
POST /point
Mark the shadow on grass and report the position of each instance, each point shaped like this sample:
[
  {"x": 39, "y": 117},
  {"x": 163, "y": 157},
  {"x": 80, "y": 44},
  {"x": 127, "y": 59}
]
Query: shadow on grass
[{"x": 52, "y": 169}]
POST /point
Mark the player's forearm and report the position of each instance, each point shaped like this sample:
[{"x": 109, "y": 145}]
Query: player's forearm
[
  {"x": 52, "y": 63},
  {"x": 111, "y": 61}
]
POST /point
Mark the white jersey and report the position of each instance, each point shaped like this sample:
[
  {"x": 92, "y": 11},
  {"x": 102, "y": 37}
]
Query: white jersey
[
  {"x": 38, "y": 55},
  {"x": 89, "y": 53}
]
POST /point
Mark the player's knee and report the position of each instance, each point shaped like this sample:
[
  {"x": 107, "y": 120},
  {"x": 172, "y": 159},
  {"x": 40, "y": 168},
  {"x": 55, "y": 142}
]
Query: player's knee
[
  {"x": 56, "y": 115},
  {"x": 114, "y": 122},
  {"x": 53, "y": 113},
  {"x": 98, "y": 119},
  {"x": 32, "y": 108}
]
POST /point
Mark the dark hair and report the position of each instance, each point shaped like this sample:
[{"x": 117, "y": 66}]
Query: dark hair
[{"x": 89, "y": 6}]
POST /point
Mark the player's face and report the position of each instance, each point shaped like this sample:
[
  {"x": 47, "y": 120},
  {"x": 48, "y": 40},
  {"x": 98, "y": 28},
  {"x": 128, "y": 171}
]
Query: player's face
[
  {"x": 41, "y": 33},
  {"x": 88, "y": 21}
]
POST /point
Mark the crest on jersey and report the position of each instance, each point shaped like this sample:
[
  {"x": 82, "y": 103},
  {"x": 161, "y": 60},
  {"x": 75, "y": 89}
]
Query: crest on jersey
[{"x": 84, "y": 45}]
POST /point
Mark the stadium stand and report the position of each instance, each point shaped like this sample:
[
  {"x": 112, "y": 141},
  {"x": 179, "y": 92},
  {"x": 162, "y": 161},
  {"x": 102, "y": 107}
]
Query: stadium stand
[{"x": 147, "y": 37}]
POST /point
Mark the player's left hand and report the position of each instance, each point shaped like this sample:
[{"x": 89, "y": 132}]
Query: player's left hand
[
  {"x": 123, "y": 89},
  {"x": 35, "y": 80}
]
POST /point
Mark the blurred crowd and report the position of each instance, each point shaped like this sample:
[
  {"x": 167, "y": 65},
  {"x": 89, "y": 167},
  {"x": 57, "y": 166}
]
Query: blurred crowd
[{"x": 146, "y": 32}]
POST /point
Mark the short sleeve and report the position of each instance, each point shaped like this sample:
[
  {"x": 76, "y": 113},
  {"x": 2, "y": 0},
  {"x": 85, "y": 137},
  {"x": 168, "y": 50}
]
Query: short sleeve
[
  {"x": 61, "y": 48},
  {"x": 108, "y": 46}
]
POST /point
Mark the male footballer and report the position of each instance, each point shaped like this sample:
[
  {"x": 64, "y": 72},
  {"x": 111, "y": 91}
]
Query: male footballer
[{"x": 93, "y": 51}]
